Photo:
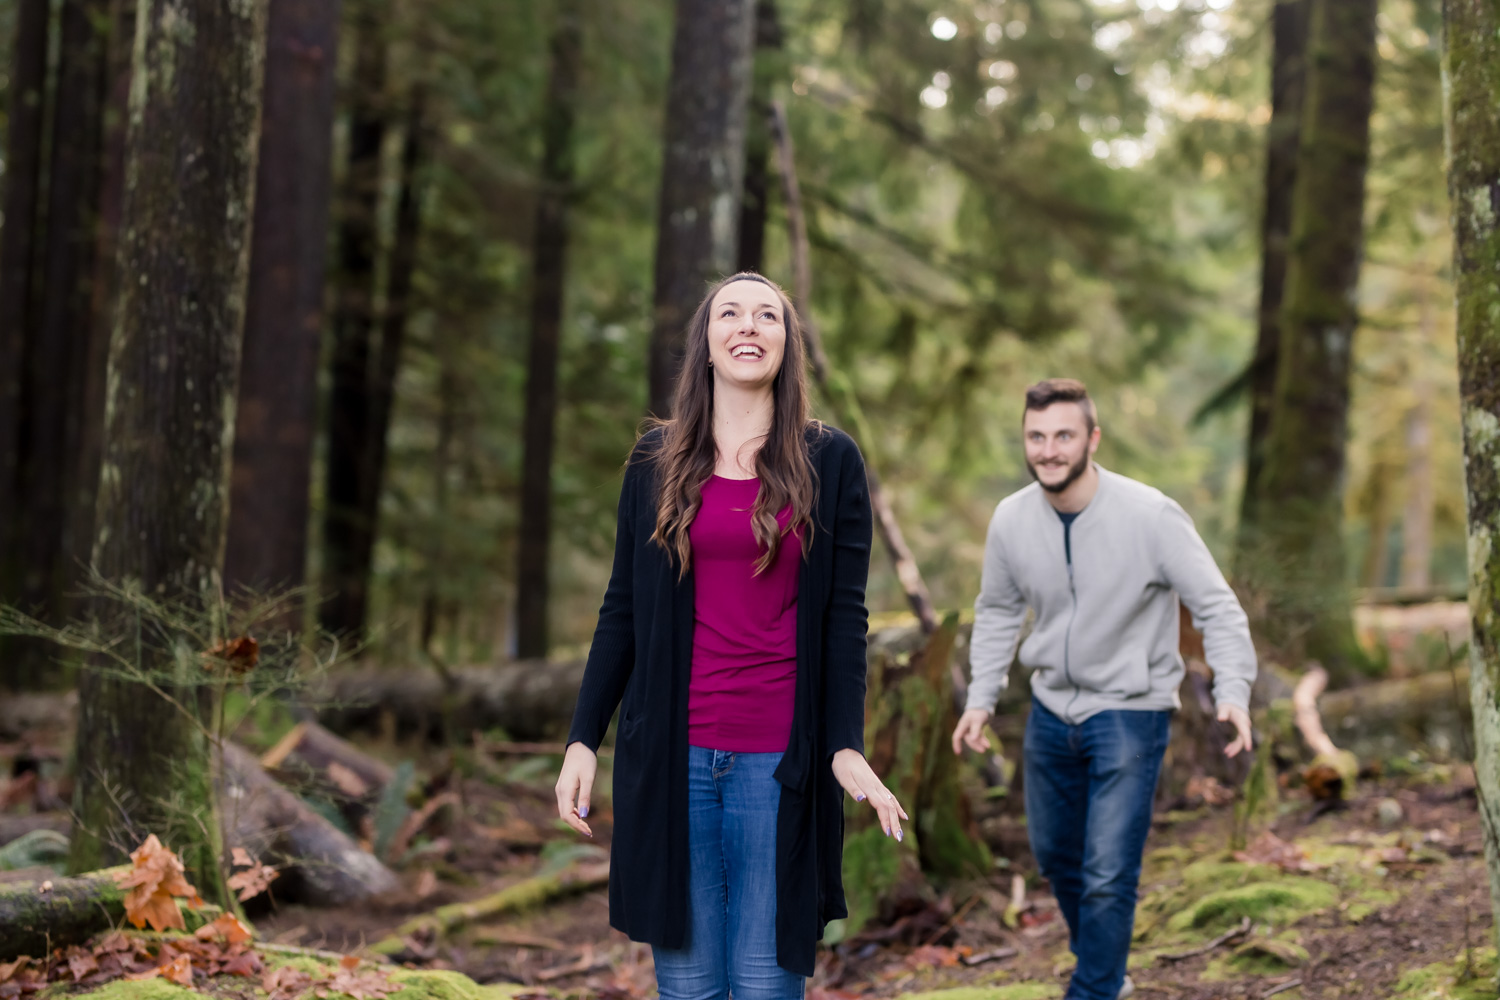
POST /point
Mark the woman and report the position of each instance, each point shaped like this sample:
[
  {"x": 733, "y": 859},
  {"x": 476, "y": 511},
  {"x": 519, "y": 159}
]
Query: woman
[{"x": 733, "y": 628}]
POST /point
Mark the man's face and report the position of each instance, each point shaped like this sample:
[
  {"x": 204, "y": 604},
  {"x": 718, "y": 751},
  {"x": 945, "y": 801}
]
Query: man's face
[{"x": 1059, "y": 445}]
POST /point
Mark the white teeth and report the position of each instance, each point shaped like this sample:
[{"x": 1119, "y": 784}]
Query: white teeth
[{"x": 747, "y": 351}]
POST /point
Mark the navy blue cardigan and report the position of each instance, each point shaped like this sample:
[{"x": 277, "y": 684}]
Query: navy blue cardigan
[{"x": 640, "y": 660}]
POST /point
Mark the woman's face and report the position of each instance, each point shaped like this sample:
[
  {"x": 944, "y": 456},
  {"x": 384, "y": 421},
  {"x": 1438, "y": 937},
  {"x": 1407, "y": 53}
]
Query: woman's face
[{"x": 746, "y": 334}]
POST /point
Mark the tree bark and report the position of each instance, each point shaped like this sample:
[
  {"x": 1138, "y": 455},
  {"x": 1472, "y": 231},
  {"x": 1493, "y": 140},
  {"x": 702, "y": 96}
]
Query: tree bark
[
  {"x": 54, "y": 377},
  {"x": 87, "y": 444},
  {"x": 1289, "y": 26},
  {"x": 1301, "y": 504},
  {"x": 702, "y": 176},
  {"x": 18, "y": 260},
  {"x": 1471, "y": 70},
  {"x": 1421, "y": 495},
  {"x": 143, "y": 763},
  {"x": 346, "y": 569},
  {"x": 274, "y": 427},
  {"x": 757, "y": 200},
  {"x": 549, "y": 274}
]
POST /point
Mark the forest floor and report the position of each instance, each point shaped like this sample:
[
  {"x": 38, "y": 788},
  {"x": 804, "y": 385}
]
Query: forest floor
[
  {"x": 1355, "y": 907},
  {"x": 1386, "y": 896}
]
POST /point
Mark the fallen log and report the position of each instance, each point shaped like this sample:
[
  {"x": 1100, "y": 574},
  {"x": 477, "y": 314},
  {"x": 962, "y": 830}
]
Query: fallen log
[
  {"x": 529, "y": 699},
  {"x": 523, "y": 895},
  {"x": 323, "y": 866},
  {"x": 38, "y": 916},
  {"x": 316, "y": 763},
  {"x": 16, "y": 827}
]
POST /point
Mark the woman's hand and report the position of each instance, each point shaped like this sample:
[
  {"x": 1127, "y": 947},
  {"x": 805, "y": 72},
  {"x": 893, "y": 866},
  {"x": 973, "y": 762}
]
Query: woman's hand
[
  {"x": 574, "y": 785},
  {"x": 970, "y": 731},
  {"x": 853, "y": 772}
]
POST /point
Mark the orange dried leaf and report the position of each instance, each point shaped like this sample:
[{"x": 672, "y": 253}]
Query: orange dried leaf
[
  {"x": 9, "y": 969},
  {"x": 155, "y": 878},
  {"x": 241, "y": 858},
  {"x": 227, "y": 928},
  {"x": 81, "y": 963},
  {"x": 179, "y": 970},
  {"x": 349, "y": 963},
  {"x": 285, "y": 982},
  {"x": 252, "y": 881},
  {"x": 246, "y": 963},
  {"x": 239, "y": 655}
]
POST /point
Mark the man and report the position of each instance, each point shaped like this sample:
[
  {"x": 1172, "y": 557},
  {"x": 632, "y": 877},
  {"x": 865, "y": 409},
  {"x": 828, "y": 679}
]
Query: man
[{"x": 1102, "y": 561}]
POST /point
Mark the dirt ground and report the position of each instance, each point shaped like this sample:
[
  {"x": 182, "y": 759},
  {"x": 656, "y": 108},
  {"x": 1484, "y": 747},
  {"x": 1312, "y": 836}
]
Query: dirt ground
[{"x": 1411, "y": 893}]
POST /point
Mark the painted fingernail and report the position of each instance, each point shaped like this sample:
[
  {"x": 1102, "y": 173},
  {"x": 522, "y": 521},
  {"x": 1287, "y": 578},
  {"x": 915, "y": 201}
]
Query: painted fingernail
[
  {"x": 886, "y": 829},
  {"x": 584, "y": 812},
  {"x": 898, "y": 836},
  {"x": 859, "y": 798}
]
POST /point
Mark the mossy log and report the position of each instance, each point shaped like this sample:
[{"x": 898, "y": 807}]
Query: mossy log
[
  {"x": 36, "y": 917},
  {"x": 909, "y": 721},
  {"x": 523, "y": 895}
]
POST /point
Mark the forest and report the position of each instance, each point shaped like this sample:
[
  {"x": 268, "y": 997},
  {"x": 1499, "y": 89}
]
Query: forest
[{"x": 327, "y": 327}]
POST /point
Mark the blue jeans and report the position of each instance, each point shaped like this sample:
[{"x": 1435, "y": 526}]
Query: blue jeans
[
  {"x": 1089, "y": 789},
  {"x": 731, "y": 943}
]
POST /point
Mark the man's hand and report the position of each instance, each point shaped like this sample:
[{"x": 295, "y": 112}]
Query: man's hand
[
  {"x": 1240, "y": 719},
  {"x": 853, "y": 772},
  {"x": 970, "y": 731}
]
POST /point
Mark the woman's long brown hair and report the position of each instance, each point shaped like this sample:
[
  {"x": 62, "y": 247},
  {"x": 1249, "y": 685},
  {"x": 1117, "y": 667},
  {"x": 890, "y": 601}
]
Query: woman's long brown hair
[{"x": 687, "y": 454}]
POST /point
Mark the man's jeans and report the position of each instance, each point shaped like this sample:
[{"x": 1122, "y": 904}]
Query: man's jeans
[
  {"x": 1088, "y": 809},
  {"x": 731, "y": 944}
]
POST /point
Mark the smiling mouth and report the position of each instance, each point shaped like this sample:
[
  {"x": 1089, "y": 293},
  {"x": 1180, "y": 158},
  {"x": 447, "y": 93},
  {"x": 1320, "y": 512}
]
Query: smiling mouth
[{"x": 747, "y": 352}]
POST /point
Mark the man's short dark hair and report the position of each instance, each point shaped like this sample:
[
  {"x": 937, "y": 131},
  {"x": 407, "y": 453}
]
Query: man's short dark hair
[{"x": 1061, "y": 390}]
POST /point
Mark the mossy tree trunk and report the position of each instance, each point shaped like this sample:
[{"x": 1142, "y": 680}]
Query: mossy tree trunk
[
  {"x": 548, "y": 284},
  {"x": 702, "y": 175},
  {"x": 1471, "y": 69},
  {"x": 277, "y": 412},
  {"x": 1300, "y": 515},
  {"x": 1289, "y": 24},
  {"x": 909, "y": 720},
  {"x": 769, "y": 70},
  {"x": 144, "y": 750}
]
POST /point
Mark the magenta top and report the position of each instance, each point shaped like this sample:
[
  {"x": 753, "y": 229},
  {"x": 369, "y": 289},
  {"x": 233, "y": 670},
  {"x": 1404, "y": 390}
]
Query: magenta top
[{"x": 745, "y": 636}]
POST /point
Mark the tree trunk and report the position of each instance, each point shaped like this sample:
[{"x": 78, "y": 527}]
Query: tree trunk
[
  {"x": 756, "y": 203},
  {"x": 702, "y": 175},
  {"x": 274, "y": 426},
  {"x": 21, "y": 201},
  {"x": 1471, "y": 69},
  {"x": 442, "y": 462},
  {"x": 401, "y": 266},
  {"x": 1421, "y": 494},
  {"x": 549, "y": 273},
  {"x": 345, "y": 582},
  {"x": 53, "y": 386},
  {"x": 87, "y": 441},
  {"x": 1289, "y": 25},
  {"x": 1301, "y": 513},
  {"x": 143, "y": 761}
]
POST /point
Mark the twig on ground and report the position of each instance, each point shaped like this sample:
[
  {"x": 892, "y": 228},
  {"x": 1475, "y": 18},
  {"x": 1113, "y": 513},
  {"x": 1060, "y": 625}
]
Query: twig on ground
[
  {"x": 993, "y": 955},
  {"x": 963, "y": 911},
  {"x": 1292, "y": 985},
  {"x": 1243, "y": 928}
]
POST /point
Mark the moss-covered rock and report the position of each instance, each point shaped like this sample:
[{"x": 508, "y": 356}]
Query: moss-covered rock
[
  {"x": 142, "y": 989},
  {"x": 441, "y": 984},
  {"x": 1280, "y": 901},
  {"x": 1455, "y": 980}
]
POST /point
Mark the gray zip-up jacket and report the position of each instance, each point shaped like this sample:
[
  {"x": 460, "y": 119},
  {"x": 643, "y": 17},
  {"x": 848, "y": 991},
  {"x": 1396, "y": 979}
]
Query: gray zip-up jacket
[{"x": 1106, "y": 630}]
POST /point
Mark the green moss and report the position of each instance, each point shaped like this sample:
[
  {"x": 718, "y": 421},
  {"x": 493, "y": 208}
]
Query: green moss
[
  {"x": 873, "y": 864},
  {"x": 1449, "y": 980},
  {"x": 441, "y": 984},
  {"x": 142, "y": 989},
  {"x": 1015, "y": 991},
  {"x": 1276, "y": 902}
]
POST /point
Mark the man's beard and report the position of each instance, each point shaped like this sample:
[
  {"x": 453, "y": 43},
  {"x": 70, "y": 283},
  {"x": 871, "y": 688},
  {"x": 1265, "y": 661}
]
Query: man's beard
[{"x": 1074, "y": 471}]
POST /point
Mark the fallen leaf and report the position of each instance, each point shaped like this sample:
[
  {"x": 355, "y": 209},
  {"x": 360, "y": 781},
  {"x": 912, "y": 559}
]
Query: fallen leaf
[
  {"x": 9, "y": 969},
  {"x": 347, "y": 781},
  {"x": 247, "y": 964},
  {"x": 227, "y": 928},
  {"x": 179, "y": 970},
  {"x": 156, "y": 877},
  {"x": 239, "y": 655},
  {"x": 252, "y": 881},
  {"x": 284, "y": 982},
  {"x": 931, "y": 956},
  {"x": 1210, "y": 790},
  {"x": 1269, "y": 849},
  {"x": 81, "y": 962}
]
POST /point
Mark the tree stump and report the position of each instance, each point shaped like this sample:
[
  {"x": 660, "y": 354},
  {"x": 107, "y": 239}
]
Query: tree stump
[{"x": 909, "y": 720}]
